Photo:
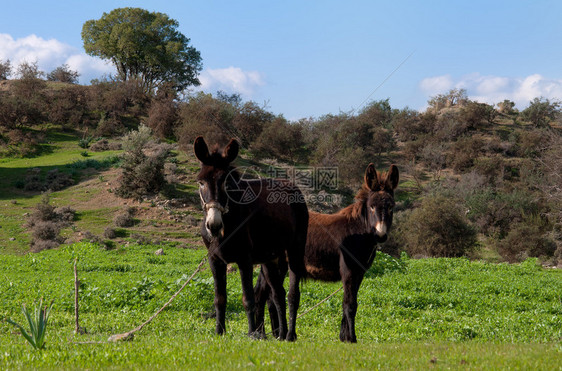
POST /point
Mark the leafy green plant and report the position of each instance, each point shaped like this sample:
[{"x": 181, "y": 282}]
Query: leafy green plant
[
  {"x": 37, "y": 324},
  {"x": 85, "y": 142}
]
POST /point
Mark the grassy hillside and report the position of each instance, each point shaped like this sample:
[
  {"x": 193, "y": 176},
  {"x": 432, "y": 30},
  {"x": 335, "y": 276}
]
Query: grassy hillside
[{"x": 92, "y": 196}]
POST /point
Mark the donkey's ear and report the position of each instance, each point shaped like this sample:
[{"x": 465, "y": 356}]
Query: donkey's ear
[
  {"x": 392, "y": 177},
  {"x": 231, "y": 150},
  {"x": 201, "y": 150},
  {"x": 371, "y": 177}
]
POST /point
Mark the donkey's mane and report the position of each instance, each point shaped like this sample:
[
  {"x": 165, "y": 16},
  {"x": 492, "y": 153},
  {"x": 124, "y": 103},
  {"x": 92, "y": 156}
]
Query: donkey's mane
[
  {"x": 216, "y": 158},
  {"x": 355, "y": 210}
]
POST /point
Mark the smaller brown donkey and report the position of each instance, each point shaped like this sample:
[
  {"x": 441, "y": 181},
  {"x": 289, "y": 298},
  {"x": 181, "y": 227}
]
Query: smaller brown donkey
[{"x": 341, "y": 246}]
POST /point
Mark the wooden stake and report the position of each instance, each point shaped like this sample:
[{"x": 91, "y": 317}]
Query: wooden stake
[{"x": 78, "y": 329}]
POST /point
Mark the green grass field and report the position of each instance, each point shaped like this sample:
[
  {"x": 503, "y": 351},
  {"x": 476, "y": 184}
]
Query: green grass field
[{"x": 447, "y": 313}]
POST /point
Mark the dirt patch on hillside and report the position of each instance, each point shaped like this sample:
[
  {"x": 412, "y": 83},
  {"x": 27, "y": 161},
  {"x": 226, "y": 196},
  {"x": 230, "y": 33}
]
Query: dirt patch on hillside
[{"x": 157, "y": 219}]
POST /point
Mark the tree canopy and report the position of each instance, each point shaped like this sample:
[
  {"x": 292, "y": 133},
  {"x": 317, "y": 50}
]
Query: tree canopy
[{"x": 143, "y": 45}]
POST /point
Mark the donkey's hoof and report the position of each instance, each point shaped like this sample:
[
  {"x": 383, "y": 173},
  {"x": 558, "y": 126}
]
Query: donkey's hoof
[
  {"x": 291, "y": 337},
  {"x": 256, "y": 335}
]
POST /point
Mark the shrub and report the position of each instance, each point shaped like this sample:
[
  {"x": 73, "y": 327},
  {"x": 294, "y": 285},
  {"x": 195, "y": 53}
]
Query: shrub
[
  {"x": 491, "y": 168},
  {"x": 65, "y": 214},
  {"x": 109, "y": 125},
  {"x": 474, "y": 114},
  {"x": 57, "y": 180},
  {"x": 377, "y": 113},
  {"x": 5, "y": 69},
  {"x": 85, "y": 142},
  {"x": 32, "y": 180},
  {"x": 67, "y": 106},
  {"x": 454, "y": 97},
  {"x": 541, "y": 111},
  {"x": 46, "y": 223},
  {"x": 204, "y": 115},
  {"x": 142, "y": 173},
  {"x": 125, "y": 218},
  {"x": 163, "y": 113},
  {"x": 408, "y": 124},
  {"x": 104, "y": 145},
  {"x": 250, "y": 120},
  {"x": 109, "y": 233},
  {"x": 63, "y": 74},
  {"x": 462, "y": 153},
  {"x": 281, "y": 140},
  {"x": 100, "y": 146},
  {"x": 47, "y": 230},
  {"x": 449, "y": 125},
  {"x": 437, "y": 228},
  {"x": 525, "y": 240},
  {"x": 531, "y": 143},
  {"x": 494, "y": 212}
]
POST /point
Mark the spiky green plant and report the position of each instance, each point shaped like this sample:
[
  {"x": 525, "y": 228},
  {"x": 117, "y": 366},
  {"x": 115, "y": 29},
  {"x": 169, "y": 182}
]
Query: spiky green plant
[{"x": 37, "y": 324}]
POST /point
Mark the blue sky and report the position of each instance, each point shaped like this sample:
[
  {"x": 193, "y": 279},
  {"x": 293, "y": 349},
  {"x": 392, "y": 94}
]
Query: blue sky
[{"x": 309, "y": 58}]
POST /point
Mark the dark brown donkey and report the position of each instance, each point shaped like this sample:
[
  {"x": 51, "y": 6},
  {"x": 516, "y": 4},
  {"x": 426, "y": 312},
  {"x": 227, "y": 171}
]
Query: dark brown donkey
[
  {"x": 242, "y": 226},
  {"x": 341, "y": 246}
]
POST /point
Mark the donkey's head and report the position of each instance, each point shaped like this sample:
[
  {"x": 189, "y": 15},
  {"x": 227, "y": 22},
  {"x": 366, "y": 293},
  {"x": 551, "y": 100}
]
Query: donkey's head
[
  {"x": 212, "y": 179},
  {"x": 380, "y": 200}
]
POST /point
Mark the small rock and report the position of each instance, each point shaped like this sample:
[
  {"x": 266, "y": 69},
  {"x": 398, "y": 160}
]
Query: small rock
[
  {"x": 12, "y": 238},
  {"x": 121, "y": 337},
  {"x": 159, "y": 252}
]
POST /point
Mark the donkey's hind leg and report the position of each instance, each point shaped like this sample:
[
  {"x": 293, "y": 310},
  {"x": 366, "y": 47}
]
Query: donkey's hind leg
[
  {"x": 294, "y": 301},
  {"x": 275, "y": 281},
  {"x": 262, "y": 293}
]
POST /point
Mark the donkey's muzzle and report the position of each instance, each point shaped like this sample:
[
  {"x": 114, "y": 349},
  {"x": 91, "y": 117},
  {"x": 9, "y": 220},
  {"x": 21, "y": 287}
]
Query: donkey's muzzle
[
  {"x": 381, "y": 229},
  {"x": 214, "y": 223}
]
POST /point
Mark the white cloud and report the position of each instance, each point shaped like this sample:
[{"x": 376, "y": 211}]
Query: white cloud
[
  {"x": 50, "y": 54},
  {"x": 437, "y": 84},
  {"x": 93, "y": 67},
  {"x": 231, "y": 80},
  {"x": 494, "y": 89}
]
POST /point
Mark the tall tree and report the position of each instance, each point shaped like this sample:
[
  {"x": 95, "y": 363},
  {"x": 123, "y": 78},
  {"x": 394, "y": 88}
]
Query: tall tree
[{"x": 143, "y": 45}]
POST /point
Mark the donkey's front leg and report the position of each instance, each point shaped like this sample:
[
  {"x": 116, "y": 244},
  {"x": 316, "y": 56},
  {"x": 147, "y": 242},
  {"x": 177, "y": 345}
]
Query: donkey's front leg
[
  {"x": 350, "y": 289},
  {"x": 218, "y": 267},
  {"x": 246, "y": 275}
]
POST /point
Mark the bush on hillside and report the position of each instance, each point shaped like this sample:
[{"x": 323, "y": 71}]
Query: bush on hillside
[
  {"x": 163, "y": 113},
  {"x": 142, "y": 170},
  {"x": 125, "y": 218},
  {"x": 46, "y": 222},
  {"x": 437, "y": 228},
  {"x": 525, "y": 240},
  {"x": 283, "y": 141},
  {"x": 463, "y": 152}
]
